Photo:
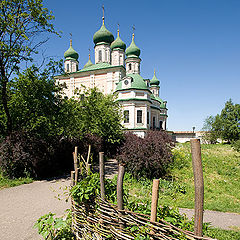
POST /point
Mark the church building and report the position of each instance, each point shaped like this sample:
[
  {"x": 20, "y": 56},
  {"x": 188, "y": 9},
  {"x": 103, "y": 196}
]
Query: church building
[{"x": 116, "y": 70}]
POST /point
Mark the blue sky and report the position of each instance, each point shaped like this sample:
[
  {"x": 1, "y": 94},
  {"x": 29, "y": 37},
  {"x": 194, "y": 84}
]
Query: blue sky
[{"x": 193, "y": 45}]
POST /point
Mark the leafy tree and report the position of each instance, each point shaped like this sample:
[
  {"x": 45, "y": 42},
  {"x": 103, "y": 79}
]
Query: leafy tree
[
  {"x": 92, "y": 112},
  {"x": 21, "y": 21},
  {"x": 224, "y": 125},
  {"x": 35, "y": 104},
  {"x": 230, "y": 117}
]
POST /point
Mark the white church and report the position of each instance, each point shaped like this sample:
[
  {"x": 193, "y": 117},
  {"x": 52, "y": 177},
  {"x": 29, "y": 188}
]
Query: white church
[{"x": 116, "y": 70}]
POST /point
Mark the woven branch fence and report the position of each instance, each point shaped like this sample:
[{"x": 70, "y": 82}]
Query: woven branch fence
[{"x": 108, "y": 221}]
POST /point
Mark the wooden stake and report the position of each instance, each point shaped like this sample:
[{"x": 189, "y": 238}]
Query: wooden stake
[
  {"x": 121, "y": 171},
  {"x": 102, "y": 174},
  {"x": 72, "y": 178},
  {"x": 75, "y": 164},
  {"x": 155, "y": 191},
  {"x": 199, "y": 186}
]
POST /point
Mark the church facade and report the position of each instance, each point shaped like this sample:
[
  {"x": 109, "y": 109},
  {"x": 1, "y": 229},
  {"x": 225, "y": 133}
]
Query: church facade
[{"x": 116, "y": 70}]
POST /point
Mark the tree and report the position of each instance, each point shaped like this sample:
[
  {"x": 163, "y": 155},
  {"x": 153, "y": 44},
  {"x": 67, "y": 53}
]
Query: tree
[
  {"x": 92, "y": 112},
  {"x": 21, "y": 21},
  {"x": 35, "y": 104},
  {"x": 224, "y": 125},
  {"x": 230, "y": 117}
]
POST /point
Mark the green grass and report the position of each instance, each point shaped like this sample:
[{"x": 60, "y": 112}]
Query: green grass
[
  {"x": 221, "y": 167},
  {"x": 221, "y": 234},
  {"x": 6, "y": 182}
]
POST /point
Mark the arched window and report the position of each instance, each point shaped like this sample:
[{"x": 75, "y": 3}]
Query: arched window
[
  {"x": 100, "y": 55},
  {"x": 130, "y": 66},
  {"x": 160, "y": 124},
  {"x": 68, "y": 67}
]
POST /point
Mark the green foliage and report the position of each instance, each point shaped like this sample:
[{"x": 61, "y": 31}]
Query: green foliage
[
  {"x": 5, "y": 182},
  {"x": 20, "y": 22},
  {"x": 224, "y": 126},
  {"x": 35, "y": 104},
  {"x": 92, "y": 112},
  {"x": 89, "y": 188},
  {"x": 52, "y": 228}
]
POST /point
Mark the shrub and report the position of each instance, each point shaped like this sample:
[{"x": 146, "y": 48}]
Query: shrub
[
  {"x": 25, "y": 154},
  {"x": 146, "y": 157}
]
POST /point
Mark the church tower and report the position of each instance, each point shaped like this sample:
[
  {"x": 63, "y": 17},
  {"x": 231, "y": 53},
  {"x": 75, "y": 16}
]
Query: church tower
[
  {"x": 102, "y": 40},
  {"x": 118, "y": 51},
  {"x": 71, "y": 60},
  {"x": 154, "y": 83},
  {"x": 133, "y": 60}
]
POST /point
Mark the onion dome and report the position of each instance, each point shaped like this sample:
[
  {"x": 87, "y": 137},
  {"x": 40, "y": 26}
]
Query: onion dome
[
  {"x": 71, "y": 53},
  {"x": 118, "y": 43},
  {"x": 103, "y": 35},
  {"x": 154, "y": 81},
  {"x": 133, "y": 50},
  {"x": 89, "y": 62}
]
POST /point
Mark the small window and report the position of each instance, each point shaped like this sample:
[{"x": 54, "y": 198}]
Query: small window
[
  {"x": 100, "y": 55},
  {"x": 147, "y": 117},
  {"x": 130, "y": 66},
  {"x": 154, "y": 122},
  {"x": 106, "y": 56},
  {"x": 160, "y": 124},
  {"x": 67, "y": 67},
  {"x": 126, "y": 116},
  {"x": 139, "y": 116}
]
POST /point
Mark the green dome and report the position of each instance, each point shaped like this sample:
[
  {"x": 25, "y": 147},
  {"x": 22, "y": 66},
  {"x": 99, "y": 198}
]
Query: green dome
[
  {"x": 118, "y": 43},
  {"x": 71, "y": 53},
  {"x": 89, "y": 63},
  {"x": 133, "y": 50},
  {"x": 103, "y": 35},
  {"x": 137, "y": 83},
  {"x": 154, "y": 80}
]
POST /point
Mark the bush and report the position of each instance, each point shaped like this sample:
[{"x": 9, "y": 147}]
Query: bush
[
  {"x": 27, "y": 155},
  {"x": 23, "y": 154},
  {"x": 146, "y": 157}
]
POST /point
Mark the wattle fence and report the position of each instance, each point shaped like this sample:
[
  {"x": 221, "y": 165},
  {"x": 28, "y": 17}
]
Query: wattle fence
[{"x": 109, "y": 221}]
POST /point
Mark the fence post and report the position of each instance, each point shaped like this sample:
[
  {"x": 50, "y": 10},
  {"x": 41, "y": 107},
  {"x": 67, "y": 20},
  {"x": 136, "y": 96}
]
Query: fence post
[
  {"x": 121, "y": 171},
  {"x": 75, "y": 164},
  {"x": 155, "y": 191},
  {"x": 199, "y": 186},
  {"x": 102, "y": 174}
]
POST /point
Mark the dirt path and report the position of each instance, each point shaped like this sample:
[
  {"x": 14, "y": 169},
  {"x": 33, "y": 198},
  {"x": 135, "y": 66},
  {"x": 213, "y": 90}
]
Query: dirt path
[{"x": 21, "y": 206}]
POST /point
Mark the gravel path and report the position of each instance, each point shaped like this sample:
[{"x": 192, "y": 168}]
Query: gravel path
[{"x": 21, "y": 206}]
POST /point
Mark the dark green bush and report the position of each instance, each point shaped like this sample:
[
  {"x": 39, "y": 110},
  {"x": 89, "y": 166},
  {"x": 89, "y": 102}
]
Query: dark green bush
[{"x": 146, "y": 157}]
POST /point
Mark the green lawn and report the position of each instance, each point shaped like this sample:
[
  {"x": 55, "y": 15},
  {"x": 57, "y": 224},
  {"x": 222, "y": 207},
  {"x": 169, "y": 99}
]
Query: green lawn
[
  {"x": 5, "y": 182},
  {"x": 221, "y": 166}
]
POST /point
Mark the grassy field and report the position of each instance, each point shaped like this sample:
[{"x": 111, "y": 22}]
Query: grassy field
[
  {"x": 5, "y": 182},
  {"x": 221, "y": 166}
]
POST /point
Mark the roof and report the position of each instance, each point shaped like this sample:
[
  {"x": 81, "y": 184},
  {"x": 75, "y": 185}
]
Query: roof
[
  {"x": 162, "y": 103},
  {"x": 96, "y": 66},
  {"x": 137, "y": 83}
]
